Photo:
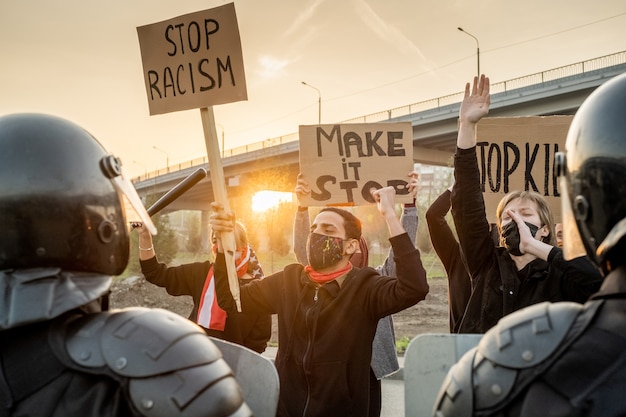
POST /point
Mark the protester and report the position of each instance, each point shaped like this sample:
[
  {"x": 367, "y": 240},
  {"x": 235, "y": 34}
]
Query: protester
[
  {"x": 564, "y": 359},
  {"x": 196, "y": 279},
  {"x": 449, "y": 252},
  {"x": 65, "y": 231},
  {"x": 558, "y": 232},
  {"x": 513, "y": 276},
  {"x": 328, "y": 311},
  {"x": 384, "y": 356}
]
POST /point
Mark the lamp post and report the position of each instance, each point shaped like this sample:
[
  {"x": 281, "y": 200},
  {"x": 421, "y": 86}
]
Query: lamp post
[
  {"x": 319, "y": 102},
  {"x": 477, "y": 48},
  {"x": 167, "y": 157}
]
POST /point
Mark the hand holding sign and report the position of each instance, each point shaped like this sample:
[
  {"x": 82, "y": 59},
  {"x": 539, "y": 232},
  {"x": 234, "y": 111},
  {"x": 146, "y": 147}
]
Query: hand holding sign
[
  {"x": 413, "y": 183},
  {"x": 302, "y": 190},
  {"x": 221, "y": 221}
]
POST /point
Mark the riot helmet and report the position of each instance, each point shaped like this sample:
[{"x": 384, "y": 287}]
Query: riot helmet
[
  {"x": 63, "y": 200},
  {"x": 592, "y": 173}
]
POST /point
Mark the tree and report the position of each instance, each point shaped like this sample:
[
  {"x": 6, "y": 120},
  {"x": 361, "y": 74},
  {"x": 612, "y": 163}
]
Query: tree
[{"x": 192, "y": 231}]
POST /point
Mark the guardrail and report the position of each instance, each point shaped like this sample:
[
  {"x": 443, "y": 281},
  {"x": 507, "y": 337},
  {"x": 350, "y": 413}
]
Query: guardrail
[{"x": 525, "y": 81}]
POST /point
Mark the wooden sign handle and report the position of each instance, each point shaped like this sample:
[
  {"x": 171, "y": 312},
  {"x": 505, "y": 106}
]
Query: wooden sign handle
[{"x": 219, "y": 192}]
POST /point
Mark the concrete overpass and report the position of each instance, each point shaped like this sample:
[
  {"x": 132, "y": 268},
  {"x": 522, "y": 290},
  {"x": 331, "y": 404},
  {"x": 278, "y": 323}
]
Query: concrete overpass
[{"x": 273, "y": 164}]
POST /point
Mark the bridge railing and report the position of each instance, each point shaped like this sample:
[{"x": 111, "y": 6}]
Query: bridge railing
[{"x": 525, "y": 81}]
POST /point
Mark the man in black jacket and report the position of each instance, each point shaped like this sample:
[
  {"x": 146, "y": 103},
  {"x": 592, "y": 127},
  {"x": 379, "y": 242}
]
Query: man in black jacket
[{"x": 328, "y": 311}]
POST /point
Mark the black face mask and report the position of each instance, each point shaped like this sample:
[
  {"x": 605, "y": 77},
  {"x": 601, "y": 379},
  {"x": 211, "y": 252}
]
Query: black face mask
[
  {"x": 510, "y": 234},
  {"x": 324, "y": 251}
]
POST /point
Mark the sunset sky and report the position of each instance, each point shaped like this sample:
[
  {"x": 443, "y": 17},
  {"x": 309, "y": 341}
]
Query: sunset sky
[{"x": 81, "y": 60}]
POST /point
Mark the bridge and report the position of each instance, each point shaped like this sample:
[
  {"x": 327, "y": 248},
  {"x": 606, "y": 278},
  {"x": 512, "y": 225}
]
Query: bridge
[{"x": 273, "y": 164}]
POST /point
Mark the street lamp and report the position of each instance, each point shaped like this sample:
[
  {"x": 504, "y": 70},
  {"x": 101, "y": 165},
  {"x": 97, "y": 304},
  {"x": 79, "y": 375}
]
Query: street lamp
[
  {"x": 319, "y": 103},
  {"x": 477, "y": 48},
  {"x": 167, "y": 157}
]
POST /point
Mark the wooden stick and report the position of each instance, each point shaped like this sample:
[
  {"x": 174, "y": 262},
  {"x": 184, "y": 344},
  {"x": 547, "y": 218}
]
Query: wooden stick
[{"x": 219, "y": 192}]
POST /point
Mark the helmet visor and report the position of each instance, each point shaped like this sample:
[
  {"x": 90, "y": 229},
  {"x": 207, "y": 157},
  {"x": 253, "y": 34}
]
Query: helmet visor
[
  {"x": 135, "y": 211},
  {"x": 572, "y": 243}
]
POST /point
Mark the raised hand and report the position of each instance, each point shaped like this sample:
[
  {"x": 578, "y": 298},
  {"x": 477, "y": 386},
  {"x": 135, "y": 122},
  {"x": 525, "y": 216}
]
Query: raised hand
[
  {"x": 302, "y": 188},
  {"x": 475, "y": 106}
]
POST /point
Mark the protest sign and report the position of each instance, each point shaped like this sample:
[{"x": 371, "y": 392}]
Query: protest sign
[
  {"x": 517, "y": 153},
  {"x": 193, "y": 61},
  {"x": 343, "y": 162}
]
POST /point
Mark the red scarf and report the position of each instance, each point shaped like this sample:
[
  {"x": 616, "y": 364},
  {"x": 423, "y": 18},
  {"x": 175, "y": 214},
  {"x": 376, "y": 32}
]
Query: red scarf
[
  {"x": 321, "y": 278},
  {"x": 210, "y": 314}
]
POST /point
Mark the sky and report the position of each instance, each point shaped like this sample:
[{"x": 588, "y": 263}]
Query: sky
[{"x": 81, "y": 60}]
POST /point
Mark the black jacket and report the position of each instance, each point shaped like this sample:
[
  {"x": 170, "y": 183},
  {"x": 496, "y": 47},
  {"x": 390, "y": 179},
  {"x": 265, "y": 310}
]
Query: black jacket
[
  {"x": 498, "y": 287},
  {"x": 449, "y": 252},
  {"x": 325, "y": 333},
  {"x": 250, "y": 330}
]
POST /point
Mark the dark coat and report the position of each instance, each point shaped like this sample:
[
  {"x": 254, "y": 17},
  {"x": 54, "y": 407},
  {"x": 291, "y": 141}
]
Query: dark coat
[
  {"x": 326, "y": 332},
  {"x": 498, "y": 287},
  {"x": 250, "y": 330},
  {"x": 449, "y": 252}
]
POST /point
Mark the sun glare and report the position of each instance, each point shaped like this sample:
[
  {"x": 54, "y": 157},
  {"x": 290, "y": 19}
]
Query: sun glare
[{"x": 265, "y": 200}]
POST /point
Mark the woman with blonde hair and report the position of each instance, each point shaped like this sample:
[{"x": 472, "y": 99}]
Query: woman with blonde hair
[
  {"x": 527, "y": 268},
  {"x": 541, "y": 207}
]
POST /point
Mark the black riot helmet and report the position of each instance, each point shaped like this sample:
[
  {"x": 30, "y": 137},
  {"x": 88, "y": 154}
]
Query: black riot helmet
[
  {"x": 593, "y": 177},
  {"x": 63, "y": 200}
]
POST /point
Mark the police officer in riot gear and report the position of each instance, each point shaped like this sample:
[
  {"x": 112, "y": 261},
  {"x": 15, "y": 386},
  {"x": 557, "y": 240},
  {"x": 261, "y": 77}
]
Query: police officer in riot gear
[
  {"x": 565, "y": 359},
  {"x": 65, "y": 210}
]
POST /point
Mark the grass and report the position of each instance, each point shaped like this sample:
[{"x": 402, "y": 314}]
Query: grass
[{"x": 402, "y": 344}]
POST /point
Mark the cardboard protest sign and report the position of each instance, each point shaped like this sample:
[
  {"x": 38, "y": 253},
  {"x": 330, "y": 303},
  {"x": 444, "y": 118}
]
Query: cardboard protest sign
[
  {"x": 517, "y": 153},
  {"x": 342, "y": 162},
  {"x": 193, "y": 61}
]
